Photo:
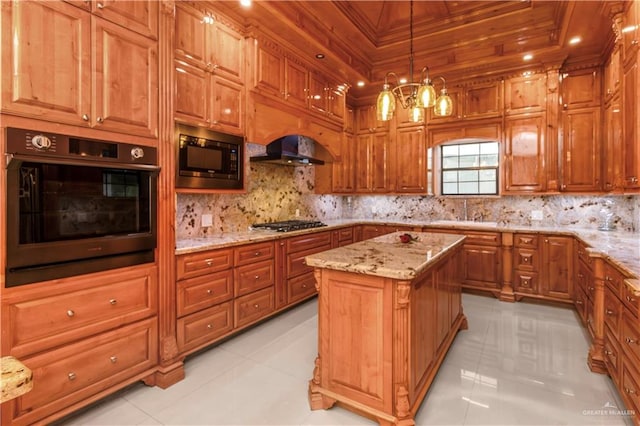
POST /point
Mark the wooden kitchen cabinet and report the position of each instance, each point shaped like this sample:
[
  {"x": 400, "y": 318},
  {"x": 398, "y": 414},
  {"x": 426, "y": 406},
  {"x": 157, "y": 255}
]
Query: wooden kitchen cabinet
[
  {"x": 581, "y": 89},
  {"x": 269, "y": 68},
  {"x": 557, "y": 267},
  {"x": 366, "y": 121},
  {"x": 209, "y": 72},
  {"x": 613, "y": 148},
  {"x": 90, "y": 57},
  {"x": 630, "y": 127},
  {"x": 481, "y": 261},
  {"x": 410, "y": 160},
  {"x": 524, "y": 154},
  {"x": 483, "y": 100},
  {"x": 581, "y": 151},
  {"x": 525, "y": 94},
  {"x": 82, "y": 337},
  {"x": 457, "y": 97},
  {"x": 372, "y": 162},
  {"x": 612, "y": 74},
  {"x": 343, "y": 169}
]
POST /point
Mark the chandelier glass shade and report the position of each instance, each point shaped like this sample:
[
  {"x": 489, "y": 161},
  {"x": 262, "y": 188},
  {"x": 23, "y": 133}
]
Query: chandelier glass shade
[{"x": 414, "y": 97}]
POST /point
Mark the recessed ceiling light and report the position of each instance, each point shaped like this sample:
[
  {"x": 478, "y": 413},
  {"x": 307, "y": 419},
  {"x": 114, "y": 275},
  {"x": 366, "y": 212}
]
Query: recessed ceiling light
[
  {"x": 319, "y": 55},
  {"x": 360, "y": 84},
  {"x": 528, "y": 57},
  {"x": 403, "y": 80},
  {"x": 527, "y": 73},
  {"x": 575, "y": 40},
  {"x": 245, "y": 3}
]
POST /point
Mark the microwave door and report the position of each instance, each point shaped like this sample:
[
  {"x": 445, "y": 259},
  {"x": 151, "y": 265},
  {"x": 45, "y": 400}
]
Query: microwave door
[{"x": 30, "y": 205}]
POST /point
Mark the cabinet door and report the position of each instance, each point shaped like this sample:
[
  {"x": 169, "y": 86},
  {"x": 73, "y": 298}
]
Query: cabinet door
[
  {"x": 581, "y": 150},
  {"x": 140, "y": 16},
  {"x": 343, "y": 177},
  {"x": 481, "y": 266},
  {"x": 227, "y": 53},
  {"x": 525, "y": 94},
  {"x": 557, "y": 266},
  {"x": 380, "y": 162},
  {"x": 411, "y": 162},
  {"x": 631, "y": 23},
  {"x": 192, "y": 94},
  {"x": 32, "y": 54},
  {"x": 227, "y": 105},
  {"x": 363, "y": 162},
  {"x": 367, "y": 121},
  {"x": 191, "y": 35},
  {"x": 318, "y": 93},
  {"x": 337, "y": 103},
  {"x": 613, "y": 159},
  {"x": 296, "y": 82},
  {"x": 524, "y": 154},
  {"x": 612, "y": 74},
  {"x": 630, "y": 126},
  {"x": 126, "y": 80},
  {"x": 457, "y": 97},
  {"x": 269, "y": 73},
  {"x": 483, "y": 100},
  {"x": 581, "y": 89}
]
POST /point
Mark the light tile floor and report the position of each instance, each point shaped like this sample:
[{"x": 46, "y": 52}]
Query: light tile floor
[{"x": 517, "y": 364}]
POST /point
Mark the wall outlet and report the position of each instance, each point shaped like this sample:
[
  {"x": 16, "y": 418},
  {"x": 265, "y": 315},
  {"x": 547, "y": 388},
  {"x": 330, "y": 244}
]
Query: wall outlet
[
  {"x": 297, "y": 212},
  {"x": 536, "y": 215},
  {"x": 374, "y": 210},
  {"x": 207, "y": 220}
]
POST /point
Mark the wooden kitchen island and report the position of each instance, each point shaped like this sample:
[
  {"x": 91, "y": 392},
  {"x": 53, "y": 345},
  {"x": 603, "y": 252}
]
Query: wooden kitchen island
[{"x": 388, "y": 312}]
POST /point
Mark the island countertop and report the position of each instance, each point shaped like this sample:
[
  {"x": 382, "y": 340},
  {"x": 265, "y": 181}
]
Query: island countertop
[{"x": 387, "y": 256}]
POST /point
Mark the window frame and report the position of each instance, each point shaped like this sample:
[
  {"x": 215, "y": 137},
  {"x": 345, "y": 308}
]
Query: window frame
[{"x": 442, "y": 169}]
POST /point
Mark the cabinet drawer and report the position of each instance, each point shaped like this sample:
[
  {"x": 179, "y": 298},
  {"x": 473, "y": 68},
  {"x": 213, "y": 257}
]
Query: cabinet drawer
[
  {"x": 41, "y": 323},
  {"x": 526, "y": 240},
  {"x": 630, "y": 336},
  {"x": 307, "y": 242},
  {"x": 202, "y": 292},
  {"x": 254, "y": 253},
  {"x": 482, "y": 238},
  {"x": 612, "y": 357},
  {"x": 630, "y": 300},
  {"x": 612, "y": 311},
  {"x": 193, "y": 265},
  {"x": 525, "y": 259},
  {"x": 252, "y": 307},
  {"x": 581, "y": 305},
  {"x": 253, "y": 277},
  {"x": 526, "y": 283},
  {"x": 295, "y": 263},
  {"x": 77, "y": 371},
  {"x": 630, "y": 391},
  {"x": 614, "y": 280},
  {"x": 300, "y": 287},
  {"x": 205, "y": 326},
  {"x": 343, "y": 237}
]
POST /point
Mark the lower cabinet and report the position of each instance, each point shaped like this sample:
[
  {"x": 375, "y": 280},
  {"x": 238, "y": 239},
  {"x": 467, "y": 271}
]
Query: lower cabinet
[
  {"x": 83, "y": 337},
  {"x": 482, "y": 261}
]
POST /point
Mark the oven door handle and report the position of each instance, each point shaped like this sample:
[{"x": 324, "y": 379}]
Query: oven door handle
[{"x": 14, "y": 161}]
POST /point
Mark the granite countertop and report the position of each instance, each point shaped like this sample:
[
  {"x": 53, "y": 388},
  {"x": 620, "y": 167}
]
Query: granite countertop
[
  {"x": 16, "y": 379},
  {"x": 387, "y": 256},
  {"x": 620, "y": 247}
]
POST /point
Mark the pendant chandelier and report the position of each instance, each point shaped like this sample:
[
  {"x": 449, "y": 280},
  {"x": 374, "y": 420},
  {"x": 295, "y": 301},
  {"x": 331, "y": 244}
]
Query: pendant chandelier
[{"x": 414, "y": 97}]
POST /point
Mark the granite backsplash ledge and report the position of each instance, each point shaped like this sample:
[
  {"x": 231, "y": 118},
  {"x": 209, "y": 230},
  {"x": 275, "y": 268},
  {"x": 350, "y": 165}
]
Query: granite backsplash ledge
[{"x": 275, "y": 192}]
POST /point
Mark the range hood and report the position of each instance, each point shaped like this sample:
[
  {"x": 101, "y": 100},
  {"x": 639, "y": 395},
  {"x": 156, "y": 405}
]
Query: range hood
[{"x": 284, "y": 151}]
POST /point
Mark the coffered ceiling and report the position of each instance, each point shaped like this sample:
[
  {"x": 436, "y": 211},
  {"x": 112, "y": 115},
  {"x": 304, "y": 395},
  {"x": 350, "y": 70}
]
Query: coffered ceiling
[{"x": 363, "y": 40}]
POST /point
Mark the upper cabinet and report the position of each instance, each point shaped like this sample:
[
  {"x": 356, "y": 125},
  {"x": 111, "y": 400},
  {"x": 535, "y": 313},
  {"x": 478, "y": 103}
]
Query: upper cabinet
[
  {"x": 138, "y": 16},
  {"x": 91, "y": 59},
  {"x": 524, "y": 152},
  {"x": 581, "y": 89},
  {"x": 209, "y": 65},
  {"x": 525, "y": 94},
  {"x": 631, "y": 31}
]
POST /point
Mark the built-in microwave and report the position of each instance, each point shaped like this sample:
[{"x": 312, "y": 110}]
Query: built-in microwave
[{"x": 207, "y": 159}]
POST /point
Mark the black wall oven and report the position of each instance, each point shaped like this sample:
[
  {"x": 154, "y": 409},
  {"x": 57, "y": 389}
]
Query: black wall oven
[{"x": 77, "y": 205}]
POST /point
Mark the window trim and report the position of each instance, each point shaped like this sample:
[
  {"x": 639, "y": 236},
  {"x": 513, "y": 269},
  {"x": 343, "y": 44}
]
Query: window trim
[{"x": 477, "y": 168}]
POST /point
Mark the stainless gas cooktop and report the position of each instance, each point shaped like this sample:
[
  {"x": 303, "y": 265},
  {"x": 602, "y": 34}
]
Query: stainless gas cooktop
[{"x": 288, "y": 225}]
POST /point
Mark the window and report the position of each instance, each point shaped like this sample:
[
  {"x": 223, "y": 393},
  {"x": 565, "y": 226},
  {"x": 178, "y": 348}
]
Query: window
[{"x": 469, "y": 169}]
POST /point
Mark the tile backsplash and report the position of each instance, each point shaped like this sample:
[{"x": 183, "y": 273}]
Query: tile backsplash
[{"x": 276, "y": 191}]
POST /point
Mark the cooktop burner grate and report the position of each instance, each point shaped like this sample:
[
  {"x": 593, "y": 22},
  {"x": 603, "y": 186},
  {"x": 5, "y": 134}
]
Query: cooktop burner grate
[{"x": 288, "y": 225}]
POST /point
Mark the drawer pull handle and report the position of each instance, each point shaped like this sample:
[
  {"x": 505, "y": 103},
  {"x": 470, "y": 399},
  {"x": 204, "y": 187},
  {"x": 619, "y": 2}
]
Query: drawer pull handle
[
  {"x": 630, "y": 391},
  {"x": 608, "y": 352},
  {"x": 580, "y": 276},
  {"x": 578, "y": 302},
  {"x": 258, "y": 253},
  {"x": 209, "y": 291},
  {"x": 209, "y": 326},
  {"x": 609, "y": 312},
  {"x": 71, "y": 376},
  {"x": 113, "y": 301},
  {"x": 256, "y": 306},
  {"x": 113, "y": 359},
  {"x": 592, "y": 288},
  {"x": 70, "y": 313},
  {"x": 209, "y": 262},
  {"x": 630, "y": 299},
  {"x": 631, "y": 341},
  {"x": 608, "y": 278}
]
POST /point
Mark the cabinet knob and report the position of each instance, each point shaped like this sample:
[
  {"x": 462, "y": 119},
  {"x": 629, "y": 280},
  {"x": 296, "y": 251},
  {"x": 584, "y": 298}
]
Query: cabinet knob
[
  {"x": 70, "y": 313},
  {"x": 304, "y": 286},
  {"x": 608, "y": 278},
  {"x": 609, "y": 312},
  {"x": 85, "y": 117},
  {"x": 257, "y": 253},
  {"x": 257, "y": 277},
  {"x": 256, "y": 306},
  {"x": 100, "y": 5},
  {"x": 608, "y": 352},
  {"x": 71, "y": 376},
  {"x": 113, "y": 301},
  {"x": 630, "y": 299},
  {"x": 100, "y": 120},
  {"x": 209, "y": 326},
  {"x": 113, "y": 359},
  {"x": 209, "y": 291},
  {"x": 630, "y": 391},
  {"x": 631, "y": 341},
  {"x": 578, "y": 302},
  {"x": 526, "y": 259},
  {"x": 209, "y": 262},
  {"x": 592, "y": 288}
]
